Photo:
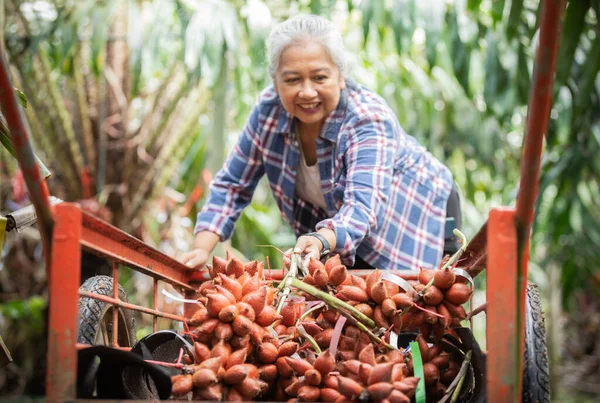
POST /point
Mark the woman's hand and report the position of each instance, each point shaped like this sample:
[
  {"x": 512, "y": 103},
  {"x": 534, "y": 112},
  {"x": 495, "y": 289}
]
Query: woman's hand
[
  {"x": 311, "y": 246},
  {"x": 195, "y": 259},
  {"x": 204, "y": 244}
]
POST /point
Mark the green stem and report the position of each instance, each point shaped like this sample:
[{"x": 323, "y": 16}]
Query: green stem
[
  {"x": 378, "y": 341},
  {"x": 311, "y": 310},
  {"x": 333, "y": 301},
  {"x": 463, "y": 371},
  {"x": 308, "y": 337},
  {"x": 458, "y": 254},
  {"x": 291, "y": 275},
  {"x": 405, "y": 310}
]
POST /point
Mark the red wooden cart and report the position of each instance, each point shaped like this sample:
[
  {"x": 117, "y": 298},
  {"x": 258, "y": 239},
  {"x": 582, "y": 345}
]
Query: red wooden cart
[{"x": 501, "y": 247}]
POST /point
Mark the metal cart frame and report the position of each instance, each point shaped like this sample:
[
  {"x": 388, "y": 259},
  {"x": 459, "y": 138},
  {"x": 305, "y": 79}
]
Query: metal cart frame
[{"x": 501, "y": 246}]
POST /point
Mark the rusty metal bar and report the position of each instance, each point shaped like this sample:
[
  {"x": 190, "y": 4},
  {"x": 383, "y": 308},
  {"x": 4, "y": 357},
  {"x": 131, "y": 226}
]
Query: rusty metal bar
[
  {"x": 155, "y": 304},
  {"x": 134, "y": 307},
  {"x": 61, "y": 372},
  {"x": 474, "y": 259},
  {"x": 538, "y": 114},
  {"x": 115, "y": 310},
  {"x": 37, "y": 188},
  {"x": 114, "y": 244},
  {"x": 538, "y": 111},
  {"x": 503, "y": 381}
]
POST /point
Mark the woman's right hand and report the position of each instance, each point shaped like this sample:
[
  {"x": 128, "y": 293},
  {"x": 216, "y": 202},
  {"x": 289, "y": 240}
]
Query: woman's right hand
[
  {"x": 204, "y": 243},
  {"x": 195, "y": 259}
]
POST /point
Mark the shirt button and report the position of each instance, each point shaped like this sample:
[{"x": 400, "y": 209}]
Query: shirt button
[{"x": 291, "y": 167}]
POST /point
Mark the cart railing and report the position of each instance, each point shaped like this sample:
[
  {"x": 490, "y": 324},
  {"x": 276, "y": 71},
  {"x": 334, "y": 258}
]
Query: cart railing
[{"x": 76, "y": 230}]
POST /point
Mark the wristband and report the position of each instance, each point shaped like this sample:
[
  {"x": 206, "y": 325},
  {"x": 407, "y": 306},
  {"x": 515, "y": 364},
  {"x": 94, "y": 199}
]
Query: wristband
[{"x": 326, "y": 248}]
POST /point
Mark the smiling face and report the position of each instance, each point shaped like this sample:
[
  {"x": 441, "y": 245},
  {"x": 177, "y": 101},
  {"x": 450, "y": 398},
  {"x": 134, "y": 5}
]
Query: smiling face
[{"x": 309, "y": 84}]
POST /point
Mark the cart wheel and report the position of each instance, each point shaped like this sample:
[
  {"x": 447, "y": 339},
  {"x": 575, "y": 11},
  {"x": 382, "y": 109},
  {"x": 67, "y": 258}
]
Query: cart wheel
[
  {"x": 95, "y": 317},
  {"x": 536, "y": 373}
]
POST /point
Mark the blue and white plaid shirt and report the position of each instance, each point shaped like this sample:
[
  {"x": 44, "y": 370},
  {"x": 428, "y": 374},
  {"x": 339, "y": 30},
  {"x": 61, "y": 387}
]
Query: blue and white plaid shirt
[{"x": 385, "y": 194}]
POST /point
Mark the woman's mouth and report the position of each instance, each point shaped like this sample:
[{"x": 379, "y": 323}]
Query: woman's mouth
[{"x": 310, "y": 108}]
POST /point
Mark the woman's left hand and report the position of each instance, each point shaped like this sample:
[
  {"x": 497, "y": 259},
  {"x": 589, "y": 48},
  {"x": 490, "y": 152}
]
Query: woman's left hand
[{"x": 310, "y": 247}]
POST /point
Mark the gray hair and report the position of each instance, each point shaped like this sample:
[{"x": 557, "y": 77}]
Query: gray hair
[{"x": 301, "y": 28}]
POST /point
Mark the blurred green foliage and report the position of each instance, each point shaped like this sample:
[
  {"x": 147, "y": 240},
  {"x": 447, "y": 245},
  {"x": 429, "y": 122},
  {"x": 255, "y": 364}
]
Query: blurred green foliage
[{"x": 30, "y": 310}]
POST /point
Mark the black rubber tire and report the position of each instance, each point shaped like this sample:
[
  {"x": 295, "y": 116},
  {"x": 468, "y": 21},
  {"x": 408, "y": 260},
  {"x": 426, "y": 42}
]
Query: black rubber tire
[
  {"x": 93, "y": 311},
  {"x": 536, "y": 371}
]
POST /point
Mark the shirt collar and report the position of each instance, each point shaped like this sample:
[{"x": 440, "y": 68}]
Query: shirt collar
[{"x": 332, "y": 124}]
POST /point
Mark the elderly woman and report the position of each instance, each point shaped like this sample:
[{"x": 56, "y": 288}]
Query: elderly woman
[{"x": 344, "y": 174}]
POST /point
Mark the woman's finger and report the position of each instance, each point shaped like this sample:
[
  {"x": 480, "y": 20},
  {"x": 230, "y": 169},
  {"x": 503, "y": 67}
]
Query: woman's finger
[
  {"x": 185, "y": 257},
  {"x": 194, "y": 259},
  {"x": 194, "y": 263},
  {"x": 303, "y": 243},
  {"x": 308, "y": 257}
]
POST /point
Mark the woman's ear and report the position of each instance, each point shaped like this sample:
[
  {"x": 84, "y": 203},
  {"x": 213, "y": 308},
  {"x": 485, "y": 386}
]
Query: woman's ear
[{"x": 342, "y": 83}]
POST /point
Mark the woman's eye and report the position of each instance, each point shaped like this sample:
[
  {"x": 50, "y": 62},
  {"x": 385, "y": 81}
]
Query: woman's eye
[
  {"x": 320, "y": 78},
  {"x": 291, "y": 80}
]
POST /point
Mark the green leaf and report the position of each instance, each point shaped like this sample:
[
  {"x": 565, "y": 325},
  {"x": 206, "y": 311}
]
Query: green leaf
[
  {"x": 572, "y": 29},
  {"x": 21, "y": 97},
  {"x": 418, "y": 78},
  {"x": 8, "y": 145},
  {"x": 367, "y": 8},
  {"x": 432, "y": 13},
  {"x": 100, "y": 15},
  {"x": 497, "y": 10},
  {"x": 589, "y": 73},
  {"x": 402, "y": 17},
  {"x": 473, "y": 5},
  {"x": 492, "y": 68},
  {"x": 522, "y": 76},
  {"x": 316, "y": 7},
  {"x": 418, "y": 369},
  {"x": 575, "y": 216},
  {"x": 514, "y": 18},
  {"x": 461, "y": 53}
]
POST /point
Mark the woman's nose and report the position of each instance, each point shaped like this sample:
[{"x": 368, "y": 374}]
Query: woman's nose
[{"x": 308, "y": 91}]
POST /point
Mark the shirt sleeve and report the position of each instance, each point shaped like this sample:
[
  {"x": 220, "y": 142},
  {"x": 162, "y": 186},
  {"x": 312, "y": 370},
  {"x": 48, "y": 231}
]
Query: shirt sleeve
[
  {"x": 233, "y": 186},
  {"x": 369, "y": 160}
]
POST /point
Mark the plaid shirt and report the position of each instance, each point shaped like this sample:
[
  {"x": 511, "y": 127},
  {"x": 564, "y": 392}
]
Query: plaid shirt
[{"x": 385, "y": 194}]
